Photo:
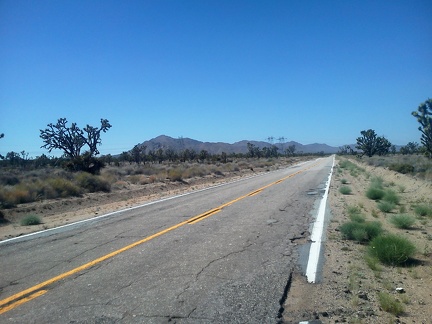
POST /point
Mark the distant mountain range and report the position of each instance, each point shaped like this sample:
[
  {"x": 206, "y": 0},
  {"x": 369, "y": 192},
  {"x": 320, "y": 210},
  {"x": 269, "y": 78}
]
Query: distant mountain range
[{"x": 179, "y": 144}]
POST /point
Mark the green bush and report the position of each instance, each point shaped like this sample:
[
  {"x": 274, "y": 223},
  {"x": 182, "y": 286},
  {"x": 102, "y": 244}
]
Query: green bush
[
  {"x": 60, "y": 188},
  {"x": 375, "y": 193},
  {"x": 344, "y": 181},
  {"x": 423, "y": 210},
  {"x": 30, "y": 220},
  {"x": 353, "y": 210},
  {"x": 360, "y": 232},
  {"x": 402, "y": 167},
  {"x": 373, "y": 229},
  {"x": 391, "y": 196},
  {"x": 389, "y": 304},
  {"x": 377, "y": 182},
  {"x": 355, "y": 214},
  {"x": 92, "y": 183},
  {"x": 385, "y": 206},
  {"x": 345, "y": 190},
  {"x": 358, "y": 218},
  {"x": 391, "y": 249},
  {"x": 345, "y": 164},
  {"x": 403, "y": 221}
]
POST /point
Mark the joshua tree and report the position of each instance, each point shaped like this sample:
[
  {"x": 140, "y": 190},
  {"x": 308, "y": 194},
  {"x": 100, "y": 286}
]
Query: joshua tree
[
  {"x": 72, "y": 139},
  {"x": 1, "y": 136},
  {"x": 424, "y": 117},
  {"x": 371, "y": 144}
]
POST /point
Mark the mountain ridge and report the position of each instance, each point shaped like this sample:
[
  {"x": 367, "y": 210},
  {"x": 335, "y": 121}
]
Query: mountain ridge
[{"x": 179, "y": 144}]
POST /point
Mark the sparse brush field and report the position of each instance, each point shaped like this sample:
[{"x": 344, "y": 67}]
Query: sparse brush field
[
  {"x": 18, "y": 186},
  {"x": 378, "y": 266},
  {"x": 56, "y": 196},
  {"x": 415, "y": 165}
]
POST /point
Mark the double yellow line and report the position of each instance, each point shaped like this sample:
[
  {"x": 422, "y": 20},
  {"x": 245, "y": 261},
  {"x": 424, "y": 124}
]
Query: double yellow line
[{"x": 33, "y": 292}]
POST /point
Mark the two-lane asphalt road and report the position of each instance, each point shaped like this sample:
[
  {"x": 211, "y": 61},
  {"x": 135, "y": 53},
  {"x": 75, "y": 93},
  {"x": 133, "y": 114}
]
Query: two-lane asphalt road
[{"x": 221, "y": 255}]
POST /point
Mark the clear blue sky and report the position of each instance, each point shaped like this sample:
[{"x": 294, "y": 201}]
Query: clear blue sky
[{"x": 214, "y": 70}]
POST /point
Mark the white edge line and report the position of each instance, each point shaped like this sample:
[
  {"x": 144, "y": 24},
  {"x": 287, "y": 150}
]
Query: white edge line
[
  {"x": 317, "y": 233},
  {"x": 28, "y": 236}
]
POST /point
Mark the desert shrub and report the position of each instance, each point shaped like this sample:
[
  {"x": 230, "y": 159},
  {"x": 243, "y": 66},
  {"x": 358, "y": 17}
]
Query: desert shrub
[
  {"x": 195, "y": 171},
  {"x": 5, "y": 202},
  {"x": 152, "y": 179},
  {"x": 358, "y": 218},
  {"x": 136, "y": 178},
  {"x": 385, "y": 206},
  {"x": 391, "y": 196},
  {"x": 403, "y": 221},
  {"x": 84, "y": 162},
  {"x": 377, "y": 182},
  {"x": 92, "y": 183},
  {"x": 391, "y": 249},
  {"x": 389, "y": 304},
  {"x": 360, "y": 232},
  {"x": 175, "y": 174},
  {"x": 353, "y": 210},
  {"x": 2, "y": 218},
  {"x": 402, "y": 167},
  {"x": 423, "y": 210},
  {"x": 147, "y": 170},
  {"x": 373, "y": 263},
  {"x": 355, "y": 214},
  {"x": 60, "y": 188},
  {"x": 17, "y": 195},
  {"x": 346, "y": 164},
  {"x": 373, "y": 229},
  {"x": 9, "y": 179},
  {"x": 344, "y": 181},
  {"x": 345, "y": 190},
  {"x": 375, "y": 193},
  {"x": 30, "y": 220},
  {"x": 228, "y": 167},
  {"x": 218, "y": 173}
]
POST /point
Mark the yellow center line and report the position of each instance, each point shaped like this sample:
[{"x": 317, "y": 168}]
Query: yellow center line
[
  {"x": 22, "y": 301},
  {"x": 205, "y": 215},
  {"x": 36, "y": 291},
  {"x": 256, "y": 192}
]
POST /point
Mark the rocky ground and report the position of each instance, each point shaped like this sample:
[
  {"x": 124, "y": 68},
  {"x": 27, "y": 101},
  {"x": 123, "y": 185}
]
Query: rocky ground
[{"x": 348, "y": 291}]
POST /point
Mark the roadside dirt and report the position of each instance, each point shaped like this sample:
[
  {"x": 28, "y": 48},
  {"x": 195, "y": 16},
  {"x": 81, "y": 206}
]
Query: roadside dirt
[{"x": 348, "y": 291}]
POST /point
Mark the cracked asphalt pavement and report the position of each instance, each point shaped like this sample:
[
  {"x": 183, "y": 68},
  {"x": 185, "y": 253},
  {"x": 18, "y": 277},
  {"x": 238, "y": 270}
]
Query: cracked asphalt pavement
[{"x": 233, "y": 266}]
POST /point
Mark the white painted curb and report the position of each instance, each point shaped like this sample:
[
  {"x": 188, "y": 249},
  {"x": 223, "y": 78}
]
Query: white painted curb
[{"x": 317, "y": 234}]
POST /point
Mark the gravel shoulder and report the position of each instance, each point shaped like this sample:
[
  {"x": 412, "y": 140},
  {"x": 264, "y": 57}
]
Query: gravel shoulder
[{"x": 348, "y": 292}]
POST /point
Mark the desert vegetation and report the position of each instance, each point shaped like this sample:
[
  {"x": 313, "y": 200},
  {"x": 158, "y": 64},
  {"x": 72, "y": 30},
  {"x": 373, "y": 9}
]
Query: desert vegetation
[
  {"x": 78, "y": 171},
  {"x": 388, "y": 224},
  {"x": 20, "y": 184}
]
